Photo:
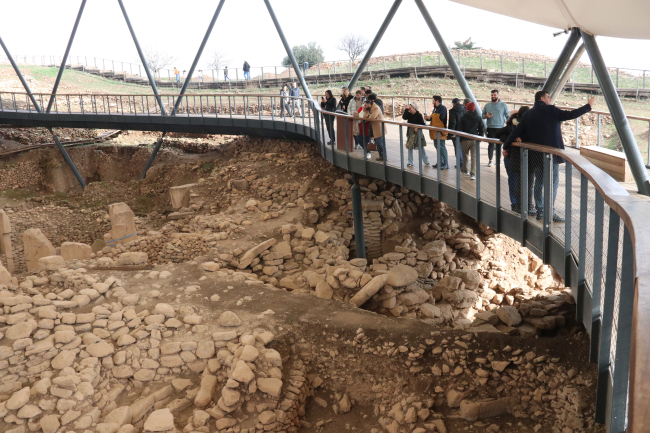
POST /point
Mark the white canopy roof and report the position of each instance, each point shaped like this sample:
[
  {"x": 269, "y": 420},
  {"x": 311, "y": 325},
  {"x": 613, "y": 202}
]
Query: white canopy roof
[{"x": 615, "y": 18}]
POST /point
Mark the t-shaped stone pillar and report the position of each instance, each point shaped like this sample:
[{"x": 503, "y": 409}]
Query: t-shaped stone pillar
[
  {"x": 180, "y": 195},
  {"x": 36, "y": 246},
  {"x": 122, "y": 223},
  {"x": 5, "y": 240}
]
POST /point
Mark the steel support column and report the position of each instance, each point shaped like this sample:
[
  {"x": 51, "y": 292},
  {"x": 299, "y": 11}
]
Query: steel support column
[
  {"x": 373, "y": 45},
  {"x": 143, "y": 60},
  {"x": 67, "y": 158},
  {"x": 152, "y": 157},
  {"x": 460, "y": 78},
  {"x": 562, "y": 60},
  {"x": 621, "y": 122},
  {"x": 198, "y": 56},
  {"x": 39, "y": 110},
  {"x": 357, "y": 214},
  {"x": 567, "y": 73},
  {"x": 65, "y": 56},
  {"x": 20, "y": 76},
  {"x": 288, "y": 49}
]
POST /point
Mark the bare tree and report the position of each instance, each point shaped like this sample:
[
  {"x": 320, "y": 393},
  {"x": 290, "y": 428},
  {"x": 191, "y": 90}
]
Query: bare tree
[
  {"x": 157, "y": 59},
  {"x": 353, "y": 45},
  {"x": 217, "y": 60}
]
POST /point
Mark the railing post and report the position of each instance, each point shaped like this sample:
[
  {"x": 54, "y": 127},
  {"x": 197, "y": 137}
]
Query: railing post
[
  {"x": 596, "y": 283},
  {"x": 582, "y": 250},
  {"x": 524, "y": 193},
  {"x": 604, "y": 355},
  {"x": 438, "y": 169},
  {"x": 577, "y": 134},
  {"x": 568, "y": 193},
  {"x": 498, "y": 182},
  {"x": 599, "y": 133},
  {"x": 626, "y": 304}
]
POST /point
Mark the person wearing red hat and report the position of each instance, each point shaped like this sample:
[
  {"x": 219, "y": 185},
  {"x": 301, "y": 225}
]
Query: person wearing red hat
[{"x": 470, "y": 123}]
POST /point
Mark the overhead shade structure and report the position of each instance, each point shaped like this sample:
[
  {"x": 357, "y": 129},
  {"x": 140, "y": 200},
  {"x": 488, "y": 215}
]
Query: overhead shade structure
[{"x": 616, "y": 19}]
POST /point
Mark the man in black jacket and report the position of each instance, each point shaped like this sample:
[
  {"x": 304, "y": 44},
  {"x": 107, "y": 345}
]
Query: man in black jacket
[
  {"x": 247, "y": 71},
  {"x": 542, "y": 125},
  {"x": 470, "y": 123},
  {"x": 377, "y": 101},
  {"x": 455, "y": 114}
]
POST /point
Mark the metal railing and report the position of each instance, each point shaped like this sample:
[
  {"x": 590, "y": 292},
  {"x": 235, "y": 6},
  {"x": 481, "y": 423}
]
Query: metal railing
[
  {"x": 599, "y": 250},
  {"x": 399, "y": 102},
  {"x": 527, "y": 67}
]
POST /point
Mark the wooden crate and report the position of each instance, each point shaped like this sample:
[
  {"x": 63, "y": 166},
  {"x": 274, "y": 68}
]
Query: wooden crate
[{"x": 610, "y": 161}]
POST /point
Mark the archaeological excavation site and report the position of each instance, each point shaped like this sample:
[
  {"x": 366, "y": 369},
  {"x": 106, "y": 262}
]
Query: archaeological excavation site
[
  {"x": 453, "y": 240},
  {"x": 224, "y": 293}
]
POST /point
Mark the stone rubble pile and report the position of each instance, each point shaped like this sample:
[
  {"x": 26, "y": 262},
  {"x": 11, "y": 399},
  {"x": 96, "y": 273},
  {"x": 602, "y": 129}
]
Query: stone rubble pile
[{"x": 67, "y": 370}]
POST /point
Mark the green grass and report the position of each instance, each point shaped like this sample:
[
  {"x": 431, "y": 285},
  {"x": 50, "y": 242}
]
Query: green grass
[{"x": 536, "y": 68}]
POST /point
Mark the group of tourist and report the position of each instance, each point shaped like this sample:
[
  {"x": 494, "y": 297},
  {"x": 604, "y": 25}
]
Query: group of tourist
[
  {"x": 291, "y": 106},
  {"x": 539, "y": 124}
]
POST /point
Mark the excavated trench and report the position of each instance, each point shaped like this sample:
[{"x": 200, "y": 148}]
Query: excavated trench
[{"x": 460, "y": 327}]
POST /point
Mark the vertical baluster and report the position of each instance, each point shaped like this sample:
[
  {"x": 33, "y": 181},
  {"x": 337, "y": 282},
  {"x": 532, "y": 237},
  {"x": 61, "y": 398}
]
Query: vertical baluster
[
  {"x": 524, "y": 192},
  {"x": 604, "y": 351},
  {"x": 438, "y": 164},
  {"x": 568, "y": 182},
  {"x": 617, "y": 419},
  {"x": 582, "y": 250},
  {"x": 548, "y": 205},
  {"x": 596, "y": 283}
]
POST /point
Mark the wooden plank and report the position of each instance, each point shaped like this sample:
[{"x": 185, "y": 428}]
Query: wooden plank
[
  {"x": 604, "y": 151},
  {"x": 614, "y": 168},
  {"x": 610, "y": 157}
]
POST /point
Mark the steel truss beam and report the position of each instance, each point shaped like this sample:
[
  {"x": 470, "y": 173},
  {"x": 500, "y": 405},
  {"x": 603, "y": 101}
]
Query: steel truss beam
[
  {"x": 288, "y": 49},
  {"x": 143, "y": 59},
  {"x": 567, "y": 73},
  {"x": 623, "y": 128},
  {"x": 40, "y": 110},
  {"x": 462, "y": 82},
  {"x": 554, "y": 77},
  {"x": 373, "y": 45},
  {"x": 65, "y": 57},
  {"x": 198, "y": 56}
]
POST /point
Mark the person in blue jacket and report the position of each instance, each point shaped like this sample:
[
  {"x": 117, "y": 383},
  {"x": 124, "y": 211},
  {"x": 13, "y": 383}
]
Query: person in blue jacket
[{"x": 542, "y": 125}]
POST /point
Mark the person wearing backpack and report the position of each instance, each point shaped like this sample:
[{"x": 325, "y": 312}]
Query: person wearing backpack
[{"x": 438, "y": 119}]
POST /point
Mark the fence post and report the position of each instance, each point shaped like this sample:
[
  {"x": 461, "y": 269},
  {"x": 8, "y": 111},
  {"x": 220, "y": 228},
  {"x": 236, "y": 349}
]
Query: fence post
[
  {"x": 481, "y": 56},
  {"x": 577, "y": 134},
  {"x": 523, "y": 65},
  {"x": 439, "y": 64},
  {"x": 545, "y": 69},
  {"x": 600, "y": 133},
  {"x": 501, "y": 64},
  {"x": 592, "y": 74},
  {"x": 350, "y": 69},
  {"x": 401, "y": 59}
]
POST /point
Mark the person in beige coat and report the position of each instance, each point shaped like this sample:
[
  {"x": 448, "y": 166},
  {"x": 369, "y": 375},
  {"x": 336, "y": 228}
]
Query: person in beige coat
[
  {"x": 372, "y": 113},
  {"x": 353, "y": 107}
]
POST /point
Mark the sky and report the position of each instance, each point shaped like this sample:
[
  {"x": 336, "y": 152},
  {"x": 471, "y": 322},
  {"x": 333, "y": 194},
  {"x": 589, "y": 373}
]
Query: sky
[{"x": 244, "y": 30}]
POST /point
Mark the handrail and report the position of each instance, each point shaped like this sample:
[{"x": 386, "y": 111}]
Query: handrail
[{"x": 416, "y": 97}]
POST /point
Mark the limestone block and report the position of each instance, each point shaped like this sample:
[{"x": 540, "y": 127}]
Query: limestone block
[
  {"x": 122, "y": 222},
  {"x": 51, "y": 263},
  {"x": 180, "y": 195},
  {"x": 5, "y": 225},
  {"x": 36, "y": 245},
  {"x": 5, "y": 276},
  {"x": 75, "y": 251},
  {"x": 132, "y": 258}
]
